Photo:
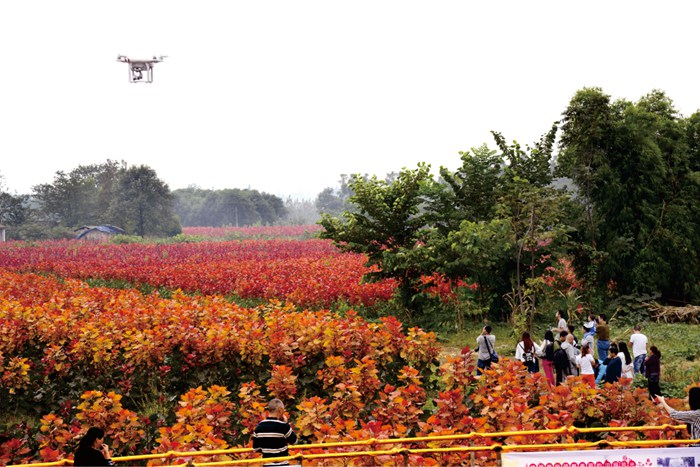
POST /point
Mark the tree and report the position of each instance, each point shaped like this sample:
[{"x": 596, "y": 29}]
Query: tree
[
  {"x": 334, "y": 201},
  {"x": 13, "y": 208},
  {"x": 531, "y": 207},
  {"x": 143, "y": 203},
  {"x": 387, "y": 226},
  {"x": 636, "y": 169},
  {"x": 81, "y": 196},
  {"x": 469, "y": 193},
  {"x": 216, "y": 208}
]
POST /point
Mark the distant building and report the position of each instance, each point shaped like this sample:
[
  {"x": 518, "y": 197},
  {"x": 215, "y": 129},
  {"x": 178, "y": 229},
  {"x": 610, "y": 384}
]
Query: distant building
[{"x": 98, "y": 232}]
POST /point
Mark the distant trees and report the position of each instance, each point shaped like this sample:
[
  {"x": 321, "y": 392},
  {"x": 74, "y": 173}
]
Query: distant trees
[
  {"x": 335, "y": 201},
  {"x": 14, "y": 209},
  {"x": 82, "y": 196},
  {"x": 199, "y": 207},
  {"x": 133, "y": 198}
]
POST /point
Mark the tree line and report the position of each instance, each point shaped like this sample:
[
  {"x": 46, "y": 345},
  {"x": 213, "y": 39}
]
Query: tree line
[
  {"x": 133, "y": 198},
  {"x": 620, "y": 201}
]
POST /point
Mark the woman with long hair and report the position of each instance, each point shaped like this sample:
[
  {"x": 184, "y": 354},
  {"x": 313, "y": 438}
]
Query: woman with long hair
[
  {"x": 587, "y": 364},
  {"x": 627, "y": 364},
  {"x": 691, "y": 417},
  {"x": 526, "y": 351},
  {"x": 652, "y": 370},
  {"x": 92, "y": 450},
  {"x": 547, "y": 356}
]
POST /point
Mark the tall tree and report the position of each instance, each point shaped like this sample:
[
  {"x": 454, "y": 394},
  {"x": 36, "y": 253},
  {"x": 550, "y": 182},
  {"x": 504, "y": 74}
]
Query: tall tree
[
  {"x": 634, "y": 165},
  {"x": 387, "y": 226},
  {"x": 469, "y": 193},
  {"x": 143, "y": 203},
  {"x": 81, "y": 196}
]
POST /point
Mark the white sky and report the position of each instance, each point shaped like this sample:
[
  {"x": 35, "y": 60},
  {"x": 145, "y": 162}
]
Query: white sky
[{"x": 283, "y": 96}]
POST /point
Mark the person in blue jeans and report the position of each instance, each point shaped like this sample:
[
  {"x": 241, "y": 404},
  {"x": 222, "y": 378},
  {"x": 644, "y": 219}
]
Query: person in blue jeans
[
  {"x": 603, "y": 332},
  {"x": 638, "y": 343}
]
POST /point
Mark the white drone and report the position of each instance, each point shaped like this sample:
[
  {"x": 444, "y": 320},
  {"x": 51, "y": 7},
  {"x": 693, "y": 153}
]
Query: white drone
[{"x": 137, "y": 67}]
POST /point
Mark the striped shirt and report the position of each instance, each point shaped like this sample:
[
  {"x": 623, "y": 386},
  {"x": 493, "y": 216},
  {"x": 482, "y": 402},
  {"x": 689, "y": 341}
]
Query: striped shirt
[
  {"x": 692, "y": 418},
  {"x": 271, "y": 437}
]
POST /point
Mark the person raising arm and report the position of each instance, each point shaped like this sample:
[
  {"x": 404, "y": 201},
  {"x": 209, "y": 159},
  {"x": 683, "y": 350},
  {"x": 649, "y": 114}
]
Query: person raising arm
[{"x": 691, "y": 417}]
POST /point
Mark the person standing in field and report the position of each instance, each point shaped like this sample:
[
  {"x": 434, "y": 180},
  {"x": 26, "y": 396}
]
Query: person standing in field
[
  {"x": 274, "y": 434},
  {"x": 588, "y": 338},
  {"x": 587, "y": 365},
  {"x": 561, "y": 323},
  {"x": 613, "y": 369},
  {"x": 571, "y": 352},
  {"x": 547, "y": 356},
  {"x": 638, "y": 342},
  {"x": 562, "y": 364},
  {"x": 627, "y": 364},
  {"x": 603, "y": 331},
  {"x": 652, "y": 368},
  {"x": 571, "y": 329},
  {"x": 526, "y": 351},
  {"x": 485, "y": 344}
]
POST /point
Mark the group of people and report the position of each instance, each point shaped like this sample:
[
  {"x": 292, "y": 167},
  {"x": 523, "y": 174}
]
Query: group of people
[
  {"x": 563, "y": 355},
  {"x": 271, "y": 437}
]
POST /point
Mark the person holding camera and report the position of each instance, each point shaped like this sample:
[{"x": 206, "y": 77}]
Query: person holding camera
[{"x": 691, "y": 417}]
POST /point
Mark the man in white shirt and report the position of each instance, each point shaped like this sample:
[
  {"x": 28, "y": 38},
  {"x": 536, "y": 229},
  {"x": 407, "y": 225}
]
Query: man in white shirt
[
  {"x": 561, "y": 323},
  {"x": 638, "y": 343}
]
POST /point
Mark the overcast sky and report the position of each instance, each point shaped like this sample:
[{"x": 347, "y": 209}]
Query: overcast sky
[{"x": 284, "y": 96}]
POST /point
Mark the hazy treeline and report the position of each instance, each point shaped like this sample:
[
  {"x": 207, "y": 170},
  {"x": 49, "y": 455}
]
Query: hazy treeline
[{"x": 215, "y": 208}]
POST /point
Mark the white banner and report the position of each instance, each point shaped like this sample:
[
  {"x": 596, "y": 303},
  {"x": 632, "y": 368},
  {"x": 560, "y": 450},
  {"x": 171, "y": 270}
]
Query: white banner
[{"x": 664, "y": 457}]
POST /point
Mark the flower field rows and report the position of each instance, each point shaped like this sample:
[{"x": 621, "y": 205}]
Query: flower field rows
[
  {"x": 194, "y": 372},
  {"x": 308, "y": 273}
]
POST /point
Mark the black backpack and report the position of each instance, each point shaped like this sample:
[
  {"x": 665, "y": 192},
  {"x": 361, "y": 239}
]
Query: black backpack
[
  {"x": 560, "y": 359},
  {"x": 529, "y": 357},
  {"x": 549, "y": 352}
]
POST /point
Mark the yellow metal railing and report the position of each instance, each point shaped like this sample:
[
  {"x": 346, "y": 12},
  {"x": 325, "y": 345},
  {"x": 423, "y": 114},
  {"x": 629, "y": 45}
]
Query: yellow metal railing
[{"x": 495, "y": 447}]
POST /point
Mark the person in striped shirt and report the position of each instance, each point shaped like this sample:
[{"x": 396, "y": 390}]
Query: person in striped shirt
[
  {"x": 274, "y": 434},
  {"x": 691, "y": 417}
]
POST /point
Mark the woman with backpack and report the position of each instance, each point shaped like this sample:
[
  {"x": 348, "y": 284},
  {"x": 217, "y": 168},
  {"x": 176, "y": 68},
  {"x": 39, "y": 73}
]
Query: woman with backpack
[
  {"x": 526, "y": 351},
  {"x": 547, "y": 356}
]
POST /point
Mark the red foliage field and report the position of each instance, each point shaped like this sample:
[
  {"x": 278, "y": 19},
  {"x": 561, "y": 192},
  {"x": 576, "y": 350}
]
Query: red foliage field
[
  {"x": 85, "y": 356},
  {"x": 306, "y": 272}
]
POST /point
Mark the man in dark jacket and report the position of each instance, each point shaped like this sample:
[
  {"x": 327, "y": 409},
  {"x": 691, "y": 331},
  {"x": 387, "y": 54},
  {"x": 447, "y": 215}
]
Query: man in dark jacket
[{"x": 613, "y": 370}]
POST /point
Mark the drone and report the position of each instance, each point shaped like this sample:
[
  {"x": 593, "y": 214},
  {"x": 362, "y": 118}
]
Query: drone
[{"x": 137, "y": 68}]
